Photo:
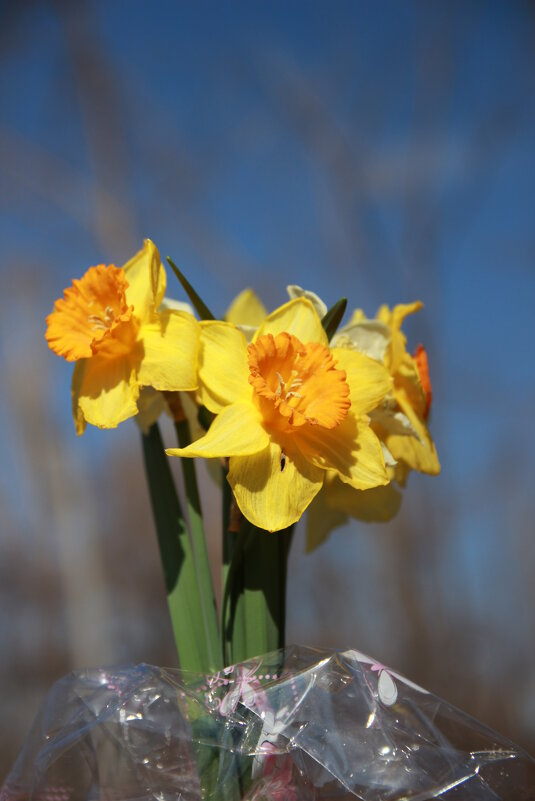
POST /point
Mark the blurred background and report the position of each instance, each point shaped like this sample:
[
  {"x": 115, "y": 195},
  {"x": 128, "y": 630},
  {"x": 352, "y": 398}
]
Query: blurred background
[{"x": 383, "y": 151}]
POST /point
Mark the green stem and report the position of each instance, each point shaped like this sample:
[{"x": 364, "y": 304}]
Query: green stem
[
  {"x": 254, "y": 602},
  {"x": 176, "y": 555},
  {"x": 232, "y": 607},
  {"x": 200, "y": 551},
  {"x": 266, "y": 570},
  {"x": 229, "y": 537}
]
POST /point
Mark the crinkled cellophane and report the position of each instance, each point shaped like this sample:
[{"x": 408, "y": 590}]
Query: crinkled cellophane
[{"x": 293, "y": 724}]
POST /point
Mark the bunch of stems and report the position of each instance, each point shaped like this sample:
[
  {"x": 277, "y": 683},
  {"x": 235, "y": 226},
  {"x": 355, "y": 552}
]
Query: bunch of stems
[{"x": 254, "y": 566}]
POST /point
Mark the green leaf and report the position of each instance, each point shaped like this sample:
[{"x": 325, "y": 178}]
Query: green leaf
[
  {"x": 176, "y": 555},
  {"x": 333, "y": 318},
  {"x": 201, "y": 308},
  {"x": 210, "y": 626},
  {"x": 254, "y": 602},
  {"x": 205, "y": 418},
  {"x": 232, "y": 608}
]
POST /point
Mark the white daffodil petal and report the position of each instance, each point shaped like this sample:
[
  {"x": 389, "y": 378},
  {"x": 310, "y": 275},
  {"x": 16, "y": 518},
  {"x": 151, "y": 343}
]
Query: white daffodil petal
[
  {"x": 295, "y": 291},
  {"x": 175, "y": 305},
  {"x": 389, "y": 459},
  {"x": 393, "y": 422},
  {"x": 370, "y": 337}
]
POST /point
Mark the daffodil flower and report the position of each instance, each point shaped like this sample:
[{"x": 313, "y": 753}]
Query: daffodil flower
[
  {"x": 401, "y": 421},
  {"x": 289, "y": 408},
  {"x": 403, "y": 414},
  {"x": 109, "y": 322}
]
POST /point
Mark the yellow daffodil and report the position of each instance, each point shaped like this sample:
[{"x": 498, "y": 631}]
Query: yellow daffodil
[
  {"x": 401, "y": 421},
  {"x": 109, "y": 322},
  {"x": 288, "y": 409}
]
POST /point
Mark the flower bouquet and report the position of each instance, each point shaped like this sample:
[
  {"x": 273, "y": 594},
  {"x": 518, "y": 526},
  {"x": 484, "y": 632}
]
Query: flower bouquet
[{"x": 295, "y": 412}]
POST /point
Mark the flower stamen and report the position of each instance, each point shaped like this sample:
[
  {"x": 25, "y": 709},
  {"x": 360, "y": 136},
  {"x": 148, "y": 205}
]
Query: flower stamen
[
  {"x": 97, "y": 323},
  {"x": 296, "y": 384}
]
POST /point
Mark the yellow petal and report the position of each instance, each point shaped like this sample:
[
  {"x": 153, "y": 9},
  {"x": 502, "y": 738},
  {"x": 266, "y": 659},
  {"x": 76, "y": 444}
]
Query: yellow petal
[
  {"x": 419, "y": 456},
  {"x": 272, "y": 494},
  {"x": 394, "y": 319},
  {"x": 223, "y": 366},
  {"x": 390, "y": 420},
  {"x": 358, "y": 316},
  {"x": 376, "y": 505},
  {"x": 351, "y": 449},
  {"x": 402, "y": 310},
  {"x": 418, "y": 452},
  {"x": 297, "y": 317},
  {"x": 104, "y": 392},
  {"x": 369, "y": 381},
  {"x": 171, "y": 344},
  {"x": 235, "y": 431},
  {"x": 146, "y": 281},
  {"x": 337, "y": 502},
  {"x": 246, "y": 309},
  {"x": 151, "y": 404},
  {"x": 400, "y": 473},
  {"x": 322, "y": 520}
]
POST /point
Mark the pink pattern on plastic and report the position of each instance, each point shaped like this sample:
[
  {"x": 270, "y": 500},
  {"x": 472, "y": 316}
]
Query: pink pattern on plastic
[{"x": 247, "y": 689}]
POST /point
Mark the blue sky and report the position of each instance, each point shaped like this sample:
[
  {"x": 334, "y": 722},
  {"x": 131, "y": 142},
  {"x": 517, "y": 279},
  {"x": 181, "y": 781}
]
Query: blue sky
[{"x": 460, "y": 158}]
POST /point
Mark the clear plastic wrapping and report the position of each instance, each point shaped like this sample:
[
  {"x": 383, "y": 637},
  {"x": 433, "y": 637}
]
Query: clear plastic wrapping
[{"x": 294, "y": 724}]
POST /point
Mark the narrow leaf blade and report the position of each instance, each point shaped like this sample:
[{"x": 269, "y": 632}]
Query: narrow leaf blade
[
  {"x": 176, "y": 555},
  {"x": 333, "y": 318},
  {"x": 201, "y": 308}
]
